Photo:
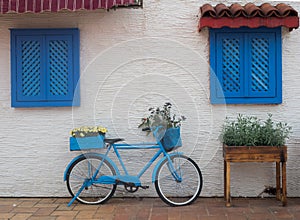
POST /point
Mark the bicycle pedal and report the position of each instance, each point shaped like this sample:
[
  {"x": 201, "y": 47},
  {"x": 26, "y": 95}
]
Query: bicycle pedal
[{"x": 144, "y": 187}]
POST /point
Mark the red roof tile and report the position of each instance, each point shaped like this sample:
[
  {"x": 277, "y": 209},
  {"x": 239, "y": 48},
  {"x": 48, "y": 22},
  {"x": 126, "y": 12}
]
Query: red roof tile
[
  {"x": 249, "y": 15},
  {"x": 248, "y": 10}
]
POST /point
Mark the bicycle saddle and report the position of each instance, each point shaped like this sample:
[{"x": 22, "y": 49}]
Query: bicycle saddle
[{"x": 113, "y": 140}]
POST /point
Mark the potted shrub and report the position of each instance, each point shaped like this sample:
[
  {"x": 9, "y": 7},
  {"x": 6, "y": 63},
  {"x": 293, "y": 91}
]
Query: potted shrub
[
  {"x": 165, "y": 126},
  {"x": 251, "y": 131},
  {"x": 249, "y": 139}
]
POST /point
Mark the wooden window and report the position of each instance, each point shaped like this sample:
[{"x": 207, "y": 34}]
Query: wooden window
[
  {"x": 245, "y": 66},
  {"x": 45, "y": 67}
]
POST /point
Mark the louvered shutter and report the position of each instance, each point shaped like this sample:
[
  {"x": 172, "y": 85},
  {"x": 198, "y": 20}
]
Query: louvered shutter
[
  {"x": 59, "y": 68},
  {"x": 30, "y": 67},
  {"x": 45, "y": 67},
  {"x": 230, "y": 65},
  {"x": 246, "y": 66},
  {"x": 261, "y": 65}
]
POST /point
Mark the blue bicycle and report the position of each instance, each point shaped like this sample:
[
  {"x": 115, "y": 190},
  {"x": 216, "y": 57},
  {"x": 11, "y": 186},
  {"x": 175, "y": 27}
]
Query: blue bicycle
[{"x": 92, "y": 178}]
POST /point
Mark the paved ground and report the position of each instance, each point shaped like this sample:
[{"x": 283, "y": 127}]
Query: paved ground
[{"x": 147, "y": 208}]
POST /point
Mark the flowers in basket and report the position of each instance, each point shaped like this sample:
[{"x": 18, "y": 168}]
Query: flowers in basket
[
  {"x": 88, "y": 131},
  {"x": 87, "y": 137},
  {"x": 165, "y": 126}
]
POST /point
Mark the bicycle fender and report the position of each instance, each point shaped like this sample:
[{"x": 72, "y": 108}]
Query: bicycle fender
[
  {"x": 88, "y": 154},
  {"x": 160, "y": 162}
]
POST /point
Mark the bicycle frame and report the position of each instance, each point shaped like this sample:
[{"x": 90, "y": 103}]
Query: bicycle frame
[
  {"x": 127, "y": 179},
  {"x": 123, "y": 179}
]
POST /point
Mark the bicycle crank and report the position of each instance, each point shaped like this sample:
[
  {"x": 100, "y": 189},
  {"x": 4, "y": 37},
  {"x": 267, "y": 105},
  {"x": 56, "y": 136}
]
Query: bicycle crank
[{"x": 131, "y": 189}]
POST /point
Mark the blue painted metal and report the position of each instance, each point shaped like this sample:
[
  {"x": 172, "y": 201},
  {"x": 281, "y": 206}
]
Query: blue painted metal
[
  {"x": 106, "y": 180},
  {"x": 45, "y": 67},
  {"x": 118, "y": 147},
  {"x": 145, "y": 168},
  {"x": 84, "y": 185},
  {"x": 86, "y": 143},
  {"x": 120, "y": 160},
  {"x": 136, "y": 146},
  {"x": 176, "y": 172},
  {"x": 172, "y": 139},
  {"x": 245, "y": 66},
  {"x": 119, "y": 179},
  {"x": 124, "y": 179},
  {"x": 89, "y": 154},
  {"x": 166, "y": 157}
]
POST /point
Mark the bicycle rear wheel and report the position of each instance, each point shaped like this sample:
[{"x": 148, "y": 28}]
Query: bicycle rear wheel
[
  {"x": 82, "y": 170},
  {"x": 174, "y": 192}
]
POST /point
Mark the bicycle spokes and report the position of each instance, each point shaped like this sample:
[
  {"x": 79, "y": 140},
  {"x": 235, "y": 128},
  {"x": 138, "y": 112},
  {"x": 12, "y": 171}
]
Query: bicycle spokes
[
  {"x": 82, "y": 183},
  {"x": 179, "y": 181},
  {"x": 175, "y": 170}
]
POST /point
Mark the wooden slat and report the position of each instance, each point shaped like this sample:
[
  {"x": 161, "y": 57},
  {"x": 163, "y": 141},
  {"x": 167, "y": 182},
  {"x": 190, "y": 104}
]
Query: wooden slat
[
  {"x": 253, "y": 149},
  {"x": 256, "y": 154}
]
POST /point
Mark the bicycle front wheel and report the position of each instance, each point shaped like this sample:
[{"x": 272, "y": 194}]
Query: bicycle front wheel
[
  {"x": 83, "y": 170},
  {"x": 185, "y": 189}
]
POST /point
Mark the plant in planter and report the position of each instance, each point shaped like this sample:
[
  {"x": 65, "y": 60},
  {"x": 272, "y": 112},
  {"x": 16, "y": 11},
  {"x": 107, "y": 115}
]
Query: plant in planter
[
  {"x": 165, "y": 126},
  {"x": 88, "y": 131},
  {"x": 251, "y": 131},
  {"x": 87, "y": 137},
  {"x": 249, "y": 139}
]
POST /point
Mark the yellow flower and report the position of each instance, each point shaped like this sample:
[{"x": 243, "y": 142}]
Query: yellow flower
[
  {"x": 102, "y": 129},
  {"x": 86, "y": 131}
]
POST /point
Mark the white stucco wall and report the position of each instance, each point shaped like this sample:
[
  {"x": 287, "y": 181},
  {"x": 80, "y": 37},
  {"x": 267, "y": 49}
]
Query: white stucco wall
[{"x": 130, "y": 60}]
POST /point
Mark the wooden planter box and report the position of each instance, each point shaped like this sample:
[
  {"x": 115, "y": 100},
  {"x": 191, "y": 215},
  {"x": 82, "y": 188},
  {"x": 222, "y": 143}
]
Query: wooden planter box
[{"x": 256, "y": 154}]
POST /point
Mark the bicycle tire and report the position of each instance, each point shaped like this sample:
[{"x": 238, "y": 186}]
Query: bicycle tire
[
  {"x": 83, "y": 168},
  {"x": 181, "y": 193}
]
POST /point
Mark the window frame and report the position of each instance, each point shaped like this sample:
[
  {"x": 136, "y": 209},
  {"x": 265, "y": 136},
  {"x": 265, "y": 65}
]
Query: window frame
[
  {"x": 216, "y": 91},
  {"x": 45, "y": 99}
]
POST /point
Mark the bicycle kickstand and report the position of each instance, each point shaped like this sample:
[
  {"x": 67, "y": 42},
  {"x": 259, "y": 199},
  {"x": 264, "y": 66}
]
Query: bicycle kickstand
[{"x": 77, "y": 194}]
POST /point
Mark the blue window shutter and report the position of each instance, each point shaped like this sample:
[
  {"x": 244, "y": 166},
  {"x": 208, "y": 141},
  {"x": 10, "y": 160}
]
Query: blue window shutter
[
  {"x": 59, "y": 84},
  {"x": 29, "y": 68},
  {"x": 230, "y": 65},
  {"x": 261, "y": 68},
  {"x": 257, "y": 69},
  {"x": 45, "y": 67}
]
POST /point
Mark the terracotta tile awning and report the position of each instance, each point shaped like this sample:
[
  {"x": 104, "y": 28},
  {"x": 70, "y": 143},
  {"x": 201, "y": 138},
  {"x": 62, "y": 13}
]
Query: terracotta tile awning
[
  {"x": 249, "y": 15},
  {"x": 37, "y": 6}
]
